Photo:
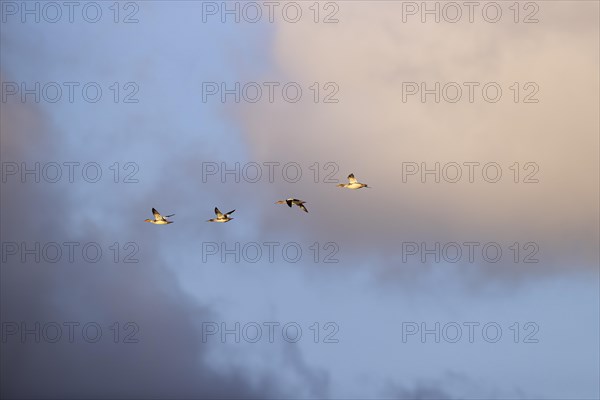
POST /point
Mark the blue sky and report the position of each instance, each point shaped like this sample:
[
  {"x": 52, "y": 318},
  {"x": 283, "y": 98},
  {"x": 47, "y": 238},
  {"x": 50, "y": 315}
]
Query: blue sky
[{"x": 370, "y": 292}]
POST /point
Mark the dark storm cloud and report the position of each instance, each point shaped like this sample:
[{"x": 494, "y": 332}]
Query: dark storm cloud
[{"x": 168, "y": 361}]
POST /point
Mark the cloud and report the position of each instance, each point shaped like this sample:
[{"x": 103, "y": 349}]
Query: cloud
[
  {"x": 168, "y": 360},
  {"x": 372, "y": 132}
]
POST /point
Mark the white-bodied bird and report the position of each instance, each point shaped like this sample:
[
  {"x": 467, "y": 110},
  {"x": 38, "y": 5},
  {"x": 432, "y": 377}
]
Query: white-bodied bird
[
  {"x": 221, "y": 217},
  {"x": 159, "y": 219},
  {"x": 353, "y": 183}
]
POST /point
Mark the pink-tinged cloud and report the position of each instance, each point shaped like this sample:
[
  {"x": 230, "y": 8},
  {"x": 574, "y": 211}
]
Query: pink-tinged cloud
[{"x": 372, "y": 132}]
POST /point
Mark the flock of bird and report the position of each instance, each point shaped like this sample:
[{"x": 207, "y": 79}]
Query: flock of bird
[{"x": 225, "y": 217}]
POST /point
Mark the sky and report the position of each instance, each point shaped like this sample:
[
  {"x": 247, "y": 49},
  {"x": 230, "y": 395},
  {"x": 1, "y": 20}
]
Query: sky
[{"x": 468, "y": 269}]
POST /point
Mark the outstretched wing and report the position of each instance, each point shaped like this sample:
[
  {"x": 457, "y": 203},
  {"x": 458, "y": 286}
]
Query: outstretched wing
[
  {"x": 167, "y": 216},
  {"x": 351, "y": 179},
  {"x": 157, "y": 215},
  {"x": 230, "y": 212},
  {"x": 219, "y": 214},
  {"x": 289, "y": 202},
  {"x": 301, "y": 205}
]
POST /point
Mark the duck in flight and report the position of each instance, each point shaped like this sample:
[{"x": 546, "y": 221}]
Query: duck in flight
[
  {"x": 159, "y": 219},
  {"x": 353, "y": 183},
  {"x": 290, "y": 202},
  {"x": 221, "y": 217}
]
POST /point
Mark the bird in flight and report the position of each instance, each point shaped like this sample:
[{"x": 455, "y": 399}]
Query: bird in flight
[
  {"x": 353, "y": 183},
  {"x": 291, "y": 201},
  {"x": 221, "y": 217},
  {"x": 159, "y": 219}
]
